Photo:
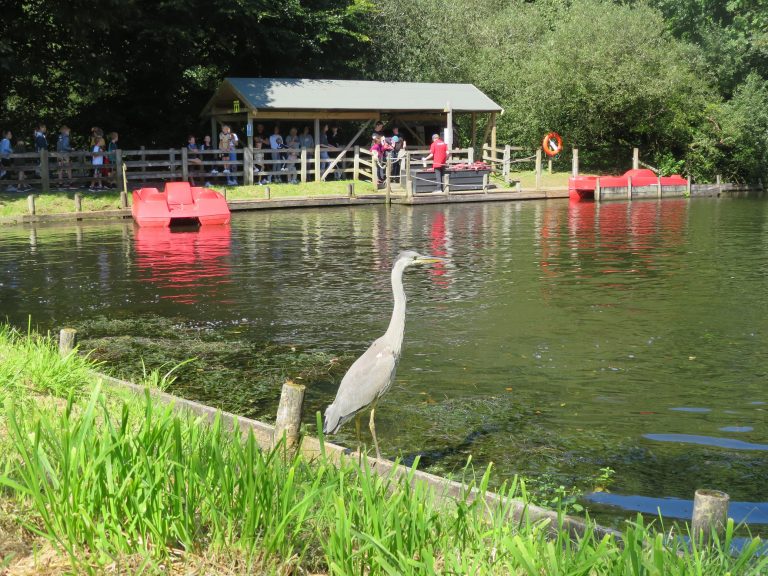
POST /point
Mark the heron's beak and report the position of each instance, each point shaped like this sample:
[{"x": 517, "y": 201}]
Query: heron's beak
[{"x": 430, "y": 259}]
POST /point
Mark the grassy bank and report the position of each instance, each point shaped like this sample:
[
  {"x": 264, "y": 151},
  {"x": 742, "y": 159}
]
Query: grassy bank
[
  {"x": 57, "y": 202},
  {"x": 95, "y": 482}
]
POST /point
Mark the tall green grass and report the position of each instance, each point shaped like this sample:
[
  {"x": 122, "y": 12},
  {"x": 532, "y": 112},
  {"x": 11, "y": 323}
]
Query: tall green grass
[{"x": 104, "y": 478}]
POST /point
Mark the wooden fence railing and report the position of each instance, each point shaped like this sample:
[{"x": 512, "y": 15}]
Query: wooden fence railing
[{"x": 76, "y": 170}]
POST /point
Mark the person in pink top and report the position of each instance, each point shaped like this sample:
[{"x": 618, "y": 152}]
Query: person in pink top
[{"x": 438, "y": 153}]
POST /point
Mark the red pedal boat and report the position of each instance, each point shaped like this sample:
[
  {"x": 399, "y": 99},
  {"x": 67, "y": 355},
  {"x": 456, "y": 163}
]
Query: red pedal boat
[
  {"x": 179, "y": 203},
  {"x": 583, "y": 187}
]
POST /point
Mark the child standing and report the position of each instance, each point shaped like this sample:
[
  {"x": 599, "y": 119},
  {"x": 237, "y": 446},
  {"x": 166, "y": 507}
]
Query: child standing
[
  {"x": 63, "y": 149},
  {"x": 97, "y": 163}
]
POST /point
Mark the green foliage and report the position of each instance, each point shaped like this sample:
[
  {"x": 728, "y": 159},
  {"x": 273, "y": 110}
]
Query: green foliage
[
  {"x": 103, "y": 479},
  {"x": 147, "y": 68}
]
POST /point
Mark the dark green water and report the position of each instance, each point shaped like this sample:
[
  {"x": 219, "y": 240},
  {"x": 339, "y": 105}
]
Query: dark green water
[{"x": 560, "y": 339}]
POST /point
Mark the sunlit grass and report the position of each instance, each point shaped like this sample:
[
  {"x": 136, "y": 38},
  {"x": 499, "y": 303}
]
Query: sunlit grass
[
  {"x": 54, "y": 202},
  {"x": 100, "y": 479}
]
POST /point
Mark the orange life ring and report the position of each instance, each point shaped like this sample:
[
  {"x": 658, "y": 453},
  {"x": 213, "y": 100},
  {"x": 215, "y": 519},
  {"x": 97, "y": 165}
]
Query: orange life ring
[{"x": 552, "y": 144}]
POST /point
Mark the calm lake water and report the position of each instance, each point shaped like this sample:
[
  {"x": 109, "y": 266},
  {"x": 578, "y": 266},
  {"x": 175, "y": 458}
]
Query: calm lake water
[{"x": 558, "y": 339}]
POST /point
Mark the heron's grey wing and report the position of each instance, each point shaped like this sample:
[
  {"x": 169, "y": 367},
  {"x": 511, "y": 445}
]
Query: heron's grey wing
[{"x": 367, "y": 379}]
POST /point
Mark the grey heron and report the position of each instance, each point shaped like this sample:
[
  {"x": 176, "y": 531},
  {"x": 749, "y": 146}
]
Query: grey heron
[{"x": 371, "y": 375}]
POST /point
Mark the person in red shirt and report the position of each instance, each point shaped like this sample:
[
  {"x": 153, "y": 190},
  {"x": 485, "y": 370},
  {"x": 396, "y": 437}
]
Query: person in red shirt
[{"x": 438, "y": 153}]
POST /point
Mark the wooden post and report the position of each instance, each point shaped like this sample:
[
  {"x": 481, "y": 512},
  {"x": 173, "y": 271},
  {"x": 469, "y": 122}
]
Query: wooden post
[
  {"x": 474, "y": 131},
  {"x": 493, "y": 140},
  {"x": 143, "y": 157},
  {"x": 719, "y": 186},
  {"x": 470, "y": 155},
  {"x": 356, "y": 164},
  {"x": 45, "y": 173},
  {"x": 303, "y": 166},
  {"x": 184, "y": 164},
  {"x": 78, "y": 202},
  {"x": 388, "y": 185},
  {"x": 317, "y": 150},
  {"x": 351, "y": 190},
  {"x": 172, "y": 162},
  {"x": 119, "y": 180},
  {"x": 658, "y": 185},
  {"x": 214, "y": 136},
  {"x": 538, "y": 169},
  {"x": 31, "y": 204},
  {"x": 710, "y": 514},
  {"x": 485, "y": 183},
  {"x": 123, "y": 199},
  {"x": 268, "y": 192},
  {"x": 629, "y": 187},
  {"x": 549, "y": 166},
  {"x": 635, "y": 158},
  {"x": 505, "y": 167},
  {"x": 575, "y": 163},
  {"x": 446, "y": 184},
  {"x": 67, "y": 341},
  {"x": 289, "y": 415},
  {"x": 597, "y": 190},
  {"x": 248, "y": 163},
  {"x": 688, "y": 186},
  {"x": 408, "y": 179}
]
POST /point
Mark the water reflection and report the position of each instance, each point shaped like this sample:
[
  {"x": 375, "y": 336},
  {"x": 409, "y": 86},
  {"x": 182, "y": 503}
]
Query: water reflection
[
  {"x": 187, "y": 265},
  {"x": 751, "y": 512}
]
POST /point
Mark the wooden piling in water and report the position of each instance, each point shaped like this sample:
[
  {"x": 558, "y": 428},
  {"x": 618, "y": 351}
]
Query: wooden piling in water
[
  {"x": 289, "y": 415},
  {"x": 67, "y": 341},
  {"x": 78, "y": 202},
  {"x": 351, "y": 190},
  {"x": 710, "y": 514},
  {"x": 629, "y": 187},
  {"x": 268, "y": 192},
  {"x": 31, "y": 204}
]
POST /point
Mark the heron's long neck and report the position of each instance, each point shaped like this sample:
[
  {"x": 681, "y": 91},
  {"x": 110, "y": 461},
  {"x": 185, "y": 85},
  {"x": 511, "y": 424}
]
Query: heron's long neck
[{"x": 396, "y": 328}]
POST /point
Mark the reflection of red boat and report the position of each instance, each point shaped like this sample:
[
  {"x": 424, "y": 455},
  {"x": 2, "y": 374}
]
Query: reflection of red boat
[
  {"x": 583, "y": 187},
  {"x": 185, "y": 264},
  {"x": 179, "y": 203}
]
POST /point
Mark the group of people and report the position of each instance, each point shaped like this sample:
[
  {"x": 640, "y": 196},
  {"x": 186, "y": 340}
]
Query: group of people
[
  {"x": 272, "y": 154},
  {"x": 101, "y": 166},
  {"x": 386, "y": 147}
]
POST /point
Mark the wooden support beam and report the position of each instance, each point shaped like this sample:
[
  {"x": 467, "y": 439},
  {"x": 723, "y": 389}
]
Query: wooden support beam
[
  {"x": 474, "y": 131},
  {"x": 317, "y": 150},
  {"x": 346, "y": 149}
]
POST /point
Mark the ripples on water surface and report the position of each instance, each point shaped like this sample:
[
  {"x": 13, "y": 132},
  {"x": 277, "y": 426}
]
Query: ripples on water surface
[{"x": 560, "y": 338}]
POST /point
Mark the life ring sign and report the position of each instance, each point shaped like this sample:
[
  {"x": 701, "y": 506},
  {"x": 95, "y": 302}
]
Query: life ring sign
[{"x": 552, "y": 144}]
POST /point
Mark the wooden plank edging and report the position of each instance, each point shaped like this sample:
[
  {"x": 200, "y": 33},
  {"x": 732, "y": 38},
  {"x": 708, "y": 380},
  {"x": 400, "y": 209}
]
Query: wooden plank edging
[{"x": 445, "y": 490}]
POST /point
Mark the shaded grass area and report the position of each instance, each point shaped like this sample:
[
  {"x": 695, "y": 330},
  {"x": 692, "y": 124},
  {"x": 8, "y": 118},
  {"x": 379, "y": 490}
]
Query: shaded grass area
[{"x": 94, "y": 482}]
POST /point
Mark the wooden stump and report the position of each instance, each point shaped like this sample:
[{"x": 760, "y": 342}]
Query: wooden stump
[
  {"x": 710, "y": 514},
  {"x": 289, "y": 415},
  {"x": 67, "y": 341}
]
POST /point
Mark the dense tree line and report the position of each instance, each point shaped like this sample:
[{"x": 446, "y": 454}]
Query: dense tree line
[{"x": 686, "y": 80}]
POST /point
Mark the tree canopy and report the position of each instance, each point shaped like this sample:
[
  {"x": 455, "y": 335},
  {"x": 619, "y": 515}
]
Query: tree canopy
[{"x": 686, "y": 80}]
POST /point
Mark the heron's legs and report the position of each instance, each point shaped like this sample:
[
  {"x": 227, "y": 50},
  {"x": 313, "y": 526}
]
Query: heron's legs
[
  {"x": 357, "y": 429},
  {"x": 372, "y": 425}
]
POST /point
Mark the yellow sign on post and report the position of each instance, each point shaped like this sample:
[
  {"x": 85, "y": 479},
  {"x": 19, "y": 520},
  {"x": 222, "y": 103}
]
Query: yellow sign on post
[{"x": 236, "y": 106}]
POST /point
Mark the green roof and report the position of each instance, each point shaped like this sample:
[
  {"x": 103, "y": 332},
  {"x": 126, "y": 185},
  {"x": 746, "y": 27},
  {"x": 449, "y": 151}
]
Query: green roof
[{"x": 352, "y": 95}]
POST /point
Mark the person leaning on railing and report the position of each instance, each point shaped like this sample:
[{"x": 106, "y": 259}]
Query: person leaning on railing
[{"x": 5, "y": 155}]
